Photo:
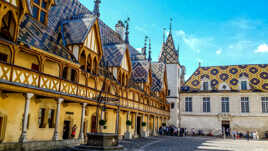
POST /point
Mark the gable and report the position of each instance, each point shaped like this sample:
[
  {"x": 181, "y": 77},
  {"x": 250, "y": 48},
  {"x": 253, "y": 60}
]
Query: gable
[
  {"x": 91, "y": 41},
  {"x": 124, "y": 63}
]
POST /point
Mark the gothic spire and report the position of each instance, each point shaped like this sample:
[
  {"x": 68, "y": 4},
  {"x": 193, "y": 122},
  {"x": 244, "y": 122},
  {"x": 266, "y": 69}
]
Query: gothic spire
[
  {"x": 127, "y": 32},
  {"x": 97, "y": 8},
  {"x": 150, "y": 57}
]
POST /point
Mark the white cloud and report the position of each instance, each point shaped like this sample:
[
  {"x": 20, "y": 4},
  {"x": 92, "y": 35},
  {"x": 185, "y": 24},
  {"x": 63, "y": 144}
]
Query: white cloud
[
  {"x": 219, "y": 51},
  {"x": 139, "y": 49},
  {"x": 245, "y": 23},
  {"x": 195, "y": 43},
  {"x": 263, "y": 48},
  {"x": 241, "y": 45}
]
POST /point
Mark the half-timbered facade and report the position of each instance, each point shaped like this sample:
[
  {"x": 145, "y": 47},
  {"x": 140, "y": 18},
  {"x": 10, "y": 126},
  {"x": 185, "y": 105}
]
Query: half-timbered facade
[{"x": 55, "y": 58}]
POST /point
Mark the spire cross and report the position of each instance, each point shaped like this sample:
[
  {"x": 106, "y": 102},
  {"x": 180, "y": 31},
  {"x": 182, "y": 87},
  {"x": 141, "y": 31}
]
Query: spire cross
[{"x": 170, "y": 26}]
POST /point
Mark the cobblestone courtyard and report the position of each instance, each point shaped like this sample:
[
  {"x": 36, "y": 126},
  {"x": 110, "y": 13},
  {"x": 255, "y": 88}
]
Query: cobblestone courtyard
[{"x": 167, "y": 143}]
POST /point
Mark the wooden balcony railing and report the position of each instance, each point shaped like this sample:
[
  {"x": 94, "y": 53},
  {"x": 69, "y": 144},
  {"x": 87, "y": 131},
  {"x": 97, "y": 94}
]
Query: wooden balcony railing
[{"x": 28, "y": 78}]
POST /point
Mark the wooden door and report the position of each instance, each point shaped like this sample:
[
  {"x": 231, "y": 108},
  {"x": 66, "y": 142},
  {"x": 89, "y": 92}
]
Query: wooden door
[{"x": 93, "y": 124}]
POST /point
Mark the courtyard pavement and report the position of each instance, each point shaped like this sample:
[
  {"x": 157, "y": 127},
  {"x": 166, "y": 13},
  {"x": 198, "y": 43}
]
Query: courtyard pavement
[{"x": 171, "y": 143}]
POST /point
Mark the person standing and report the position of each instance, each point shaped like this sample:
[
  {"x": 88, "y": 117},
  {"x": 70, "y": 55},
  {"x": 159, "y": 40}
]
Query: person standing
[
  {"x": 234, "y": 134},
  {"x": 74, "y": 131}
]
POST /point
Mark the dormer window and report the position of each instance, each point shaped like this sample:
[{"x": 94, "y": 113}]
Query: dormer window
[
  {"x": 244, "y": 85},
  {"x": 40, "y": 10},
  {"x": 205, "y": 86}
]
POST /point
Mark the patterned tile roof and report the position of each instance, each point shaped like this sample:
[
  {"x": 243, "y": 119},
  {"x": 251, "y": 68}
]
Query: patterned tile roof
[
  {"x": 114, "y": 54},
  {"x": 168, "y": 52},
  {"x": 257, "y": 76},
  {"x": 45, "y": 36},
  {"x": 158, "y": 70},
  {"x": 108, "y": 35},
  {"x": 76, "y": 30},
  {"x": 37, "y": 35},
  {"x": 140, "y": 71}
]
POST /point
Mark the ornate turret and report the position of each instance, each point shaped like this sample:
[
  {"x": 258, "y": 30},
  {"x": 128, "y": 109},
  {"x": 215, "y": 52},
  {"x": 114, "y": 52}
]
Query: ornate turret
[{"x": 97, "y": 8}]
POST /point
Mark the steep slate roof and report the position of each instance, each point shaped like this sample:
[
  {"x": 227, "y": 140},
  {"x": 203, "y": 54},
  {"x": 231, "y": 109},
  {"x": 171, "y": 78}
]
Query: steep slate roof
[
  {"x": 114, "y": 54},
  {"x": 168, "y": 52},
  {"x": 44, "y": 37},
  {"x": 140, "y": 71},
  {"x": 158, "y": 72},
  {"x": 257, "y": 76},
  {"x": 37, "y": 35},
  {"x": 75, "y": 31}
]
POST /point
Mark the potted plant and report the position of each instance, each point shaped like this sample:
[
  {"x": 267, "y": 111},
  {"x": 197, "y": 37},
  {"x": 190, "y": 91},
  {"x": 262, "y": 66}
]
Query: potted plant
[
  {"x": 143, "y": 124},
  {"x": 128, "y": 122},
  {"x": 102, "y": 122}
]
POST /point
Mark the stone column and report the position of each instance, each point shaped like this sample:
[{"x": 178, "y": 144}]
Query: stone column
[
  {"x": 157, "y": 122},
  {"x": 136, "y": 125},
  {"x": 148, "y": 124},
  {"x": 25, "y": 117},
  {"x": 56, "y": 130},
  {"x": 81, "y": 134},
  {"x": 153, "y": 125},
  {"x": 117, "y": 121},
  {"x": 128, "y": 113}
]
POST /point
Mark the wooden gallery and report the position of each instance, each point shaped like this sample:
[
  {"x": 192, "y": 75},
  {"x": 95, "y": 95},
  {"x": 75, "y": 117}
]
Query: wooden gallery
[{"x": 65, "y": 73}]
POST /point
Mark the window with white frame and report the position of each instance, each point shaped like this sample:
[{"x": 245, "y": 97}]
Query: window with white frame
[
  {"x": 225, "y": 104},
  {"x": 244, "y": 85},
  {"x": 188, "y": 104},
  {"x": 206, "y": 104},
  {"x": 264, "y": 104},
  {"x": 205, "y": 86},
  {"x": 244, "y": 104}
]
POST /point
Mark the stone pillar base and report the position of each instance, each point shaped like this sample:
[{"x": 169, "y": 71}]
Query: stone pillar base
[
  {"x": 128, "y": 135},
  {"x": 144, "y": 133}
]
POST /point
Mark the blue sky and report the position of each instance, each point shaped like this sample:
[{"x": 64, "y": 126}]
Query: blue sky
[{"x": 213, "y": 32}]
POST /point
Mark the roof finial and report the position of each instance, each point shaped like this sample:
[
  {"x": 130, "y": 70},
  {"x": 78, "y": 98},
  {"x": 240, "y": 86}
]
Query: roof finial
[
  {"x": 127, "y": 32},
  {"x": 164, "y": 35},
  {"x": 150, "y": 57},
  {"x": 145, "y": 46},
  {"x": 97, "y": 8},
  {"x": 199, "y": 64},
  {"x": 170, "y": 26}
]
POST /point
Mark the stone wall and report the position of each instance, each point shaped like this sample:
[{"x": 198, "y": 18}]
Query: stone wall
[
  {"x": 212, "y": 121},
  {"x": 39, "y": 145}
]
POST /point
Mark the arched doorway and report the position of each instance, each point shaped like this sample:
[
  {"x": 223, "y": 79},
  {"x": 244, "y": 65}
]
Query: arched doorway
[{"x": 8, "y": 27}]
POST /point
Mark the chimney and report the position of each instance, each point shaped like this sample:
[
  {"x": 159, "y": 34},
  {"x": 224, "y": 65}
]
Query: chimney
[{"x": 120, "y": 29}]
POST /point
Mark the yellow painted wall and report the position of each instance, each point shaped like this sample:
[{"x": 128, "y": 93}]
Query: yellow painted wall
[
  {"x": 13, "y": 106},
  {"x": 25, "y": 60},
  {"x": 51, "y": 68}
]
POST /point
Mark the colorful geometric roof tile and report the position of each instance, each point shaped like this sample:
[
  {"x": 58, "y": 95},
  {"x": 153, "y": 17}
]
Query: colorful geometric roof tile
[
  {"x": 45, "y": 37},
  {"x": 114, "y": 54},
  {"x": 168, "y": 52},
  {"x": 75, "y": 31},
  {"x": 140, "y": 71},
  {"x": 158, "y": 72},
  {"x": 36, "y": 35},
  {"x": 257, "y": 76}
]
